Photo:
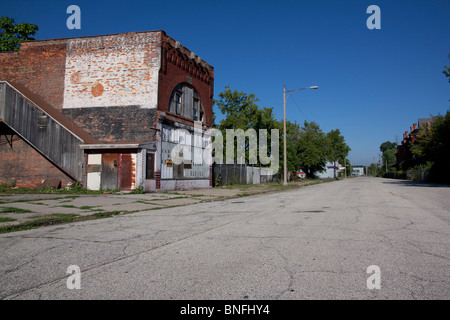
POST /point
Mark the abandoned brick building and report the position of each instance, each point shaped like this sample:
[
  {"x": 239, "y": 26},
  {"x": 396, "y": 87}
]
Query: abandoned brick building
[
  {"x": 404, "y": 154},
  {"x": 103, "y": 111}
]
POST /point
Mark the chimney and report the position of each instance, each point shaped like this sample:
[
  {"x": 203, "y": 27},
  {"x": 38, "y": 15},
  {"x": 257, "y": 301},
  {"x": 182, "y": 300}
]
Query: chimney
[{"x": 415, "y": 126}]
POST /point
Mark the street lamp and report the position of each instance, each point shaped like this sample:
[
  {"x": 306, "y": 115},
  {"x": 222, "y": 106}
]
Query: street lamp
[{"x": 284, "y": 126}]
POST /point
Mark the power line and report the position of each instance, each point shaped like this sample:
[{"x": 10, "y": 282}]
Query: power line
[{"x": 298, "y": 107}]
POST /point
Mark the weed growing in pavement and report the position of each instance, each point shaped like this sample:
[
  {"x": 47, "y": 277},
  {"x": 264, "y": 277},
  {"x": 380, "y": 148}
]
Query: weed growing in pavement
[{"x": 13, "y": 210}]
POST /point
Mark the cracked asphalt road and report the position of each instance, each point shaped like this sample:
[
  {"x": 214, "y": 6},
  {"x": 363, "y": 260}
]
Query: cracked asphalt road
[{"x": 312, "y": 243}]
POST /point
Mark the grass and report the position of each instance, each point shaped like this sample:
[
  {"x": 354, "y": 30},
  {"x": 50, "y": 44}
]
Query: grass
[
  {"x": 13, "y": 210},
  {"x": 138, "y": 190},
  {"x": 58, "y": 218},
  {"x": 53, "y": 219},
  {"x": 170, "y": 192},
  {"x": 86, "y": 207},
  {"x": 107, "y": 214},
  {"x": 75, "y": 207},
  {"x": 8, "y": 188},
  {"x": 5, "y": 219},
  {"x": 67, "y": 206}
]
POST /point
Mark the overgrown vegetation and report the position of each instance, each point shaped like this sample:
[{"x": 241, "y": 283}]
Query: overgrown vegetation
[
  {"x": 138, "y": 190},
  {"x": 432, "y": 150},
  {"x": 13, "y": 210},
  {"x": 75, "y": 188},
  {"x": 57, "y": 218},
  {"x": 430, "y": 153}
]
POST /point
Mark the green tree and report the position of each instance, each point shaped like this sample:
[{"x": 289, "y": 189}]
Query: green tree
[
  {"x": 373, "y": 169},
  {"x": 336, "y": 147},
  {"x": 11, "y": 34},
  {"x": 349, "y": 167},
  {"x": 387, "y": 145},
  {"x": 310, "y": 149},
  {"x": 239, "y": 108},
  {"x": 432, "y": 148},
  {"x": 292, "y": 136},
  {"x": 388, "y": 150},
  {"x": 242, "y": 112}
]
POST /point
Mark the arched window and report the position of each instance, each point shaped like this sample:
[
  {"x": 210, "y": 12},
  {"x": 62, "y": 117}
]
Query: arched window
[{"x": 185, "y": 101}]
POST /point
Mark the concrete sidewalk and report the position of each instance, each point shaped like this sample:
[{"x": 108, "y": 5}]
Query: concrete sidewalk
[{"x": 18, "y": 208}]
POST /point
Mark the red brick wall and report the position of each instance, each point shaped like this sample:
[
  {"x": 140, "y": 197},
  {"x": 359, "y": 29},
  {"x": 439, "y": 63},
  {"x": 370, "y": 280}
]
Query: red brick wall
[
  {"x": 177, "y": 66},
  {"x": 26, "y": 166},
  {"x": 39, "y": 66}
]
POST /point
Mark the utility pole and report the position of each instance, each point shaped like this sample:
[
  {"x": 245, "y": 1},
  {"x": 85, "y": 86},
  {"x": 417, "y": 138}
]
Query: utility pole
[
  {"x": 375, "y": 164},
  {"x": 284, "y": 137},
  {"x": 345, "y": 166},
  {"x": 334, "y": 169}
]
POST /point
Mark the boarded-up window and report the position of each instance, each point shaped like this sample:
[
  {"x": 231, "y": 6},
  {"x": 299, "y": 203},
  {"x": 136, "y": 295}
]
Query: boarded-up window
[
  {"x": 150, "y": 166},
  {"x": 185, "y": 101},
  {"x": 187, "y": 164},
  {"x": 175, "y": 100}
]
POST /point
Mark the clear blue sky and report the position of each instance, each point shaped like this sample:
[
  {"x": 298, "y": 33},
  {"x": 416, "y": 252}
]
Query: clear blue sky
[{"x": 373, "y": 84}]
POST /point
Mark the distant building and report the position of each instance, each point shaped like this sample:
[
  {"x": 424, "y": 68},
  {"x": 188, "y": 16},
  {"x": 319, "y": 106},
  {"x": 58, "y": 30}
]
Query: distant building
[
  {"x": 358, "y": 170},
  {"x": 331, "y": 170},
  {"x": 404, "y": 154},
  {"x": 104, "y": 111}
]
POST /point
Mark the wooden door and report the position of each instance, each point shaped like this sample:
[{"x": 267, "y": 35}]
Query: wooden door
[
  {"x": 110, "y": 166},
  {"x": 125, "y": 171}
]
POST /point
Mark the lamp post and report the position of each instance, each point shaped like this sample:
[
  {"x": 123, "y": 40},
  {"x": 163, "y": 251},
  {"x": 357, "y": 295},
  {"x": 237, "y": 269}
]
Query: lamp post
[{"x": 284, "y": 127}]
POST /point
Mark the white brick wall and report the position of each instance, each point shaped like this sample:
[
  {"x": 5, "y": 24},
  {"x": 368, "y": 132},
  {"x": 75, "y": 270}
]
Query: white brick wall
[{"x": 114, "y": 70}]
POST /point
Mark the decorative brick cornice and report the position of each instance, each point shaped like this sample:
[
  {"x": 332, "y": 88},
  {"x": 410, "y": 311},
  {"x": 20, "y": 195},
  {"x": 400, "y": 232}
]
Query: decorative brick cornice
[{"x": 181, "y": 57}]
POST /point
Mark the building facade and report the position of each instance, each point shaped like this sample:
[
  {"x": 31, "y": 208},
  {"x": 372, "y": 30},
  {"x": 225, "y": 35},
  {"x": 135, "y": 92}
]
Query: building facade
[
  {"x": 404, "y": 155},
  {"x": 331, "y": 170},
  {"x": 117, "y": 105},
  {"x": 357, "y": 170}
]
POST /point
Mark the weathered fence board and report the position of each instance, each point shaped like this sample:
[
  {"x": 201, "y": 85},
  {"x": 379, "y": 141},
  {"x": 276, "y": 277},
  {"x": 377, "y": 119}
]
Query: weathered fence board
[{"x": 227, "y": 174}]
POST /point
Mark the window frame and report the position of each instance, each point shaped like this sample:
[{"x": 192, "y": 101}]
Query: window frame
[{"x": 178, "y": 103}]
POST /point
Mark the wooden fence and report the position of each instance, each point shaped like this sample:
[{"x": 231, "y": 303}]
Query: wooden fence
[{"x": 227, "y": 174}]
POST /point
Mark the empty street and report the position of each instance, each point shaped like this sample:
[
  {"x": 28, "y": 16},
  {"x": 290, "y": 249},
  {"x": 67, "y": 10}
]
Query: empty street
[{"x": 315, "y": 242}]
